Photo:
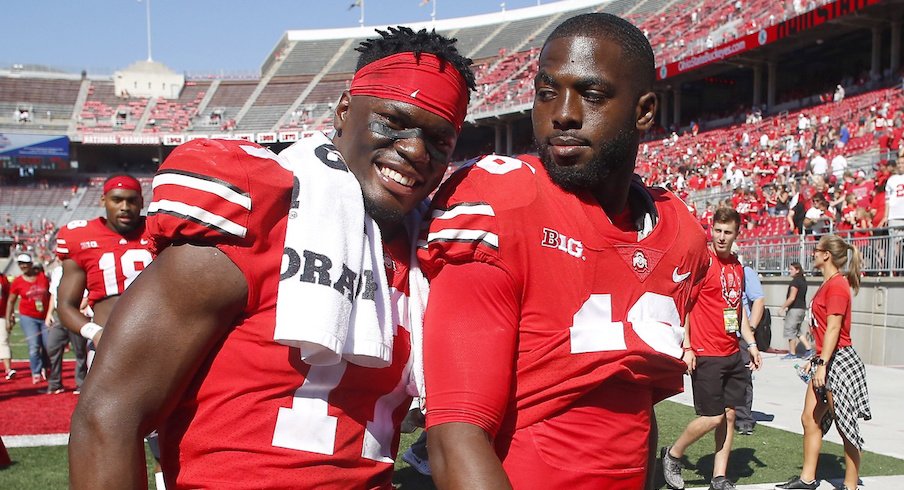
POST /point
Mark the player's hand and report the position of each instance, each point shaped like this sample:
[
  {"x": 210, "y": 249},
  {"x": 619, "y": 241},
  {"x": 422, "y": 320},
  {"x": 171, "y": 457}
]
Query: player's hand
[{"x": 690, "y": 359}]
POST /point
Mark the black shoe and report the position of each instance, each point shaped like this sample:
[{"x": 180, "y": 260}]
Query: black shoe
[{"x": 798, "y": 484}]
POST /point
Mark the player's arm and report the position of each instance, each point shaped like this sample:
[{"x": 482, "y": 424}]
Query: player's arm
[
  {"x": 157, "y": 336},
  {"x": 469, "y": 350},
  {"x": 69, "y": 296}
]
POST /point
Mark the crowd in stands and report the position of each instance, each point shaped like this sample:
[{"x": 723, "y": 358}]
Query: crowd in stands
[
  {"x": 789, "y": 173},
  {"x": 32, "y": 238}
]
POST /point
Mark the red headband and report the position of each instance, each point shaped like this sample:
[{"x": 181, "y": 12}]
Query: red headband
[
  {"x": 122, "y": 182},
  {"x": 424, "y": 81}
]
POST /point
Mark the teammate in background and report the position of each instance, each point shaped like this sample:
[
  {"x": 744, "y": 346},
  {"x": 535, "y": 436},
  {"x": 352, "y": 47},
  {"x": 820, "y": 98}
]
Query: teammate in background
[
  {"x": 718, "y": 372},
  {"x": 577, "y": 278},
  {"x": 794, "y": 308},
  {"x": 5, "y": 329},
  {"x": 102, "y": 256},
  {"x": 196, "y": 334},
  {"x": 32, "y": 288},
  {"x": 754, "y": 302}
]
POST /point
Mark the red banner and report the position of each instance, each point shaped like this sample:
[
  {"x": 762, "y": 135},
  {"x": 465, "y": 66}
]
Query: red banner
[{"x": 790, "y": 27}]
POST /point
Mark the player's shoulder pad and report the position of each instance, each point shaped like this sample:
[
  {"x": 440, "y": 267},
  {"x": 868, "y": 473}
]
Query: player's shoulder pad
[
  {"x": 69, "y": 236},
  {"x": 461, "y": 225},
  {"x": 203, "y": 192}
]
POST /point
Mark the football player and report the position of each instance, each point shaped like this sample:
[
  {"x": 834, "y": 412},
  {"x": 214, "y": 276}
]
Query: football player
[
  {"x": 190, "y": 349},
  {"x": 544, "y": 375},
  {"x": 102, "y": 256}
]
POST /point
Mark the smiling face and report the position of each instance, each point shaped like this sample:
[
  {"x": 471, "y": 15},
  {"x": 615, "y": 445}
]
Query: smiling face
[
  {"x": 588, "y": 112},
  {"x": 123, "y": 209},
  {"x": 396, "y": 173}
]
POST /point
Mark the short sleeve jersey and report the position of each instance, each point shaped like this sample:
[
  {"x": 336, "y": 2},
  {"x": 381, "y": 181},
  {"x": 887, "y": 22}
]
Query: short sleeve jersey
[
  {"x": 833, "y": 298},
  {"x": 799, "y": 282},
  {"x": 254, "y": 407},
  {"x": 111, "y": 261},
  {"x": 894, "y": 196},
  {"x": 599, "y": 316},
  {"x": 34, "y": 296},
  {"x": 718, "y": 300}
]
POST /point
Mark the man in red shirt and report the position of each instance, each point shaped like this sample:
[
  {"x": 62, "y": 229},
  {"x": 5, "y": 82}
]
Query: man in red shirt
[
  {"x": 544, "y": 375},
  {"x": 196, "y": 348},
  {"x": 33, "y": 289},
  {"x": 718, "y": 373}
]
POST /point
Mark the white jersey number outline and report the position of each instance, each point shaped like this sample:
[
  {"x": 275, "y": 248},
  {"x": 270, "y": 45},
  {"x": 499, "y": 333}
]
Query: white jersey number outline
[
  {"x": 128, "y": 263},
  {"x": 653, "y": 317}
]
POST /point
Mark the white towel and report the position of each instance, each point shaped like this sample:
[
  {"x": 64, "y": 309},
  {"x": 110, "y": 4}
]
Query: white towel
[
  {"x": 327, "y": 315},
  {"x": 419, "y": 290}
]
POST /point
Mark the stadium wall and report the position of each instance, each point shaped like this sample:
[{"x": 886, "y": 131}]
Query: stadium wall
[{"x": 877, "y": 322}]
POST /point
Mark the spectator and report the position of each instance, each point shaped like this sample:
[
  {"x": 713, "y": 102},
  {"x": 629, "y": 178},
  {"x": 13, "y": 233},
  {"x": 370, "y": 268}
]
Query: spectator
[
  {"x": 58, "y": 337},
  {"x": 839, "y": 164},
  {"x": 839, "y": 94},
  {"x": 838, "y": 377},
  {"x": 793, "y": 309},
  {"x": 754, "y": 303},
  {"x": 894, "y": 197},
  {"x": 819, "y": 218},
  {"x": 818, "y": 164},
  {"x": 30, "y": 290},
  {"x": 719, "y": 375}
]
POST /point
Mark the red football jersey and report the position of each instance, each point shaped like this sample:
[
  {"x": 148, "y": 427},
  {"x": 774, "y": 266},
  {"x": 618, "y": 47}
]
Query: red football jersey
[
  {"x": 596, "y": 329},
  {"x": 111, "y": 261},
  {"x": 719, "y": 292},
  {"x": 255, "y": 415}
]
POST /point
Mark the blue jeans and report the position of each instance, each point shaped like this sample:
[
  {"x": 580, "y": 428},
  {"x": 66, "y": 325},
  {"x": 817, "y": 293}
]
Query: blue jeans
[{"x": 35, "y": 331}]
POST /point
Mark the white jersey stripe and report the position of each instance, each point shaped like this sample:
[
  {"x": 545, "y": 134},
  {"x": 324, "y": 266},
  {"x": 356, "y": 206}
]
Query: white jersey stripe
[
  {"x": 198, "y": 215},
  {"x": 463, "y": 209},
  {"x": 461, "y": 235},
  {"x": 205, "y": 186},
  {"x": 62, "y": 250}
]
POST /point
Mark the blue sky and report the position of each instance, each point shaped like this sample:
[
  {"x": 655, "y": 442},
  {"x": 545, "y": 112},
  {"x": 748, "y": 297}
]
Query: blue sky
[{"x": 195, "y": 36}]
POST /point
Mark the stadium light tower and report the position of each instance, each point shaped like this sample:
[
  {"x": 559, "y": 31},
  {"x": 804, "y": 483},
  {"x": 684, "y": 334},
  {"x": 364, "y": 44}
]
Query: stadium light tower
[{"x": 148, "y": 9}]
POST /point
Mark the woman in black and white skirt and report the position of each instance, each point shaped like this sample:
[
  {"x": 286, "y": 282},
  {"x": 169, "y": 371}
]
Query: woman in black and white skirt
[{"x": 837, "y": 388}]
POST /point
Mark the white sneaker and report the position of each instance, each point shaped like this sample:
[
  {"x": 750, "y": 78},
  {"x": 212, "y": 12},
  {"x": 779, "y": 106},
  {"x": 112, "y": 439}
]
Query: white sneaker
[
  {"x": 420, "y": 465},
  {"x": 11, "y": 374}
]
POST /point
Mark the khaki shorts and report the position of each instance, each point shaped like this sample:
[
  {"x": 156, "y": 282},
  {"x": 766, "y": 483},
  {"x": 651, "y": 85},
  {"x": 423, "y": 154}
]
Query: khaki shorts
[
  {"x": 5, "y": 353},
  {"x": 793, "y": 318}
]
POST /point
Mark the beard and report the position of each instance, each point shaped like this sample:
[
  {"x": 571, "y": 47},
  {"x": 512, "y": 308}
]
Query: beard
[
  {"x": 382, "y": 213},
  {"x": 610, "y": 155}
]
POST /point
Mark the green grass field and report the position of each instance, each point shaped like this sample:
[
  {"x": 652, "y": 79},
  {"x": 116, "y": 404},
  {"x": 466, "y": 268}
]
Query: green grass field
[{"x": 770, "y": 455}]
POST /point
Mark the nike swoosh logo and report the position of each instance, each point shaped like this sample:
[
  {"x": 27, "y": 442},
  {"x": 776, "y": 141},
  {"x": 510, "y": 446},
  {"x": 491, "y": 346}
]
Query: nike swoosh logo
[
  {"x": 145, "y": 242},
  {"x": 679, "y": 277},
  {"x": 414, "y": 94}
]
